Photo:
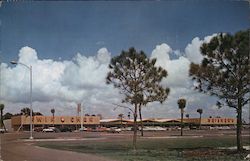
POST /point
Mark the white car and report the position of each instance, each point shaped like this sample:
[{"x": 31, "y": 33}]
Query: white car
[
  {"x": 115, "y": 130},
  {"x": 127, "y": 129},
  {"x": 148, "y": 128},
  {"x": 83, "y": 129},
  {"x": 48, "y": 130},
  {"x": 3, "y": 130},
  {"x": 158, "y": 128}
]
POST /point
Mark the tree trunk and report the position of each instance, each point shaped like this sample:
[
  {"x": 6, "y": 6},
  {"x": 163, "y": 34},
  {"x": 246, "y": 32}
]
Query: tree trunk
[
  {"x": 1, "y": 123},
  {"x": 53, "y": 119},
  {"x": 239, "y": 126},
  {"x": 121, "y": 122},
  {"x": 141, "y": 120},
  {"x": 135, "y": 128},
  {"x": 181, "y": 122},
  {"x": 1, "y": 119},
  {"x": 200, "y": 122}
]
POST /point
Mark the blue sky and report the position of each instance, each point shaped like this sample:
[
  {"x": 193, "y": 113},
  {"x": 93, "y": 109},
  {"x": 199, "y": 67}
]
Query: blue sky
[
  {"x": 70, "y": 43},
  {"x": 61, "y": 29}
]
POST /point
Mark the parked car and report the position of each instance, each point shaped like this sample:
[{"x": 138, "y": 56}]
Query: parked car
[
  {"x": 148, "y": 128},
  {"x": 115, "y": 130},
  {"x": 127, "y": 129},
  {"x": 84, "y": 129},
  {"x": 138, "y": 128},
  {"x": 193, "y": 127},
  {"x": 51, "y": 129},
  {"x": 99, "y": 129},
  {"x": 65, "y": 129},
  {"x": 38, "y": 129},
  {"x": 48, "y": 130},
  {"x": 224, "y": 128},
  {"x": 156, "y": 128},
  {"x": 3, "y": 131}
]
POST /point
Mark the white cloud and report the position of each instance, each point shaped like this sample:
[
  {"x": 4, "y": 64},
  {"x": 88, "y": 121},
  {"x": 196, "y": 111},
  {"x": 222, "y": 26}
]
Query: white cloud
[
  {"x": 192, "y": 50},
  {"x": 180, "y": 83},
  {"x": 62, "y": 84},
  {"x": 27, "y": 55},
  {"x": 177, "y": 69},
  {"x": 67, "y": 82},
  {"x": 103, "y": 55},
  {"x": 161, "y": 51}
]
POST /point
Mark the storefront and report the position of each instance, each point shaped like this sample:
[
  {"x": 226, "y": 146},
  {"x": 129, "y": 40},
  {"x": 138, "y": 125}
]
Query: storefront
[{"x": 23, "y": 122}]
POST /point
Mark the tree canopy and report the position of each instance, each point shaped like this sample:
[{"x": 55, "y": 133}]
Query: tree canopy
[
  {"x": 138, "y": 79},
  {"x": 52, "y": 111},
  {"x": 200, "y": 111},
  {"x": 225, "y": 72},
  {"x": 26, "y": 111},
  {"x": 181, "y": 103},
  {"x": 7, "y": 116},
  {"x": 225, "y": 69}
]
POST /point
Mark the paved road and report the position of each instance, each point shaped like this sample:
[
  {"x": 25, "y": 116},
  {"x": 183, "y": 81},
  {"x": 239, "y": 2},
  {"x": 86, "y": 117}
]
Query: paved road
[
  {"x": 19, "y": 150},
  {"x": 15, "y": 147},
  {"x": 28, "y": 152}
]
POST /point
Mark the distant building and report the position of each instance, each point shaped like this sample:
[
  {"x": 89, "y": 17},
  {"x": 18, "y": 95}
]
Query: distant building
[
  {"x": 171, "y": 122},
  {"x": 211, "y": 121},
  {"x": 23, "y": 122},
  {"x": 74, "y": 122}
]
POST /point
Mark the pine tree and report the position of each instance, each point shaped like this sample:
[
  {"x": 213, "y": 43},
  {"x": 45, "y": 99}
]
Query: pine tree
[
  {"x": 225, "y": 73},
  {"x": 138, "y": 80}
]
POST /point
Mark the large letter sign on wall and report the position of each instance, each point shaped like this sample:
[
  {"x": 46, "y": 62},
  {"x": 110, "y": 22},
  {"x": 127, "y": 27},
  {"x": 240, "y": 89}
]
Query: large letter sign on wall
[
  {"x": 219, "y": 121},
  {"x": 66, "y": 120}
]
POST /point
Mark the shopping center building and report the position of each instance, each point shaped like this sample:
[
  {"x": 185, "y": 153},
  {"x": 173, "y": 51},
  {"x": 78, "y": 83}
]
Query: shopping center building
[
  {"x": 74, "y": 122},
  {"x": 165, "y": 122}
]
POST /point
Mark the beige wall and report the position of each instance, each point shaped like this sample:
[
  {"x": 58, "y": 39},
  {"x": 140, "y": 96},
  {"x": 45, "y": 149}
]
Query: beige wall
[
  {"x": 57, "y": 120},
  {"x": 16, "y": 120},
  {"x": 212, "y": 121}
]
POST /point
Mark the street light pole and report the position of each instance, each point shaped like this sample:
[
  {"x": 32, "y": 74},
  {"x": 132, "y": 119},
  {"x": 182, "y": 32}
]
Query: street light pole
[{"x": 31, "y": 111}]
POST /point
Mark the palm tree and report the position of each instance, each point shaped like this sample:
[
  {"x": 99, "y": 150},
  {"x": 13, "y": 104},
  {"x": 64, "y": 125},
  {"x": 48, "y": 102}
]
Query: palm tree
[
  {"x": 200, "y": 111},
  {"x": 53, "y": 114},
  {"x": 129, "y": 115},
  {"x": 120, "y": 116},
  {"x": 1, "y": 113},
  {"x": 182, "y": 104},
  {"x": 187, "y": 116}
]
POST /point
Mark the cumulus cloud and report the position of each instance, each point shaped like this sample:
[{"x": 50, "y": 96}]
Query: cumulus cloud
[
  {"x": 192, "y": 50},
  {"x": 177, "y": 80},
  {"x": 27, "y": 55},
  {"x": 177, "y": 68},
  {"x": 80, "y": 80},
  {"x": 181, "y": 85},
  {"x": 163, "y": 51},
  {"x": 103, "y": 55},
  {"x": 62, "y": 84}
]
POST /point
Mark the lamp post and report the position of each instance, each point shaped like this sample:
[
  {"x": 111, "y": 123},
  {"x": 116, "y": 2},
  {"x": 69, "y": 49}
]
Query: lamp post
[{"x": 30, "y": 68}]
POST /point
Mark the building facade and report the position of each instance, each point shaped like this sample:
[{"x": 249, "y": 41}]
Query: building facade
[
  {"x": 164, "y": 122},
  {"x": 73, "y": 122}
]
